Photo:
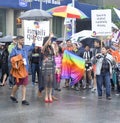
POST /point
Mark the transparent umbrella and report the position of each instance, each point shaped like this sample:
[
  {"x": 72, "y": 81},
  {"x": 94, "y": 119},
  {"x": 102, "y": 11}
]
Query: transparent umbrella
[
  {"x": 35, "y": 14},
  {"x": 6, "y": 39}
]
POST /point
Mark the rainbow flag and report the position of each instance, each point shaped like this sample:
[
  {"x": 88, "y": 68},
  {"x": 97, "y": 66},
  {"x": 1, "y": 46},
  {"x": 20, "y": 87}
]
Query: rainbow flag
[{"x": 73, "y": 67}]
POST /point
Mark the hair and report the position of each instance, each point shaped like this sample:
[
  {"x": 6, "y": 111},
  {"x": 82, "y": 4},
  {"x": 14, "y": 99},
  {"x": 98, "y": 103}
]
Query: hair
[
  {"x": 106, "y": 47},
  {"x": 36, "y": 23},
  {"x": 97, "y": 41},
  {"x": 76, "y": 44},
  {"x": 49, "y": 47},
  {"x": 19, "y": 37},
  {"x": 45, "y": 40}
]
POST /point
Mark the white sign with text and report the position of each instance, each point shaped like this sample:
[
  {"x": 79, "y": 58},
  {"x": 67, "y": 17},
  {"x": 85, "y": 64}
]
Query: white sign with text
[
  {"x": 101, "y": 22},
  {"x": 35, "y": 28}
]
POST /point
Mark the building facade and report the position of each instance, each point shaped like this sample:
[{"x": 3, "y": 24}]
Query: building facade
[
  {"x": 103, "y": 3},
  {"x": 10, "y": 10}
]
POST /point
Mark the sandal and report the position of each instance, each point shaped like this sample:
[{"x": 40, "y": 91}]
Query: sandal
[{"x": 2, "y": 84}]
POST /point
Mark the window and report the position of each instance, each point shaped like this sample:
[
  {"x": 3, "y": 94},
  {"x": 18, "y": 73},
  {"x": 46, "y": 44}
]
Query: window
[
  {"x": 57, "y": 26},
  {"x": 3, "y": 21}
]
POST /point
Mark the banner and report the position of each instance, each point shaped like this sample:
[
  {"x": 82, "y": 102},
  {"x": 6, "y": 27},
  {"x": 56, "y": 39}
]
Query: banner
[
  {"x": 23, "y": 3},
  {"x": 35, "y": 28},
  {"x": 101, "y": 22}
]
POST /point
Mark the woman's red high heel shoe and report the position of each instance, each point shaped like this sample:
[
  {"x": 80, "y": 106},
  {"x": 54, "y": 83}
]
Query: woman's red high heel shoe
[
  {"x": 46, "y": 100},
  {"x": 50, "y": 100}
]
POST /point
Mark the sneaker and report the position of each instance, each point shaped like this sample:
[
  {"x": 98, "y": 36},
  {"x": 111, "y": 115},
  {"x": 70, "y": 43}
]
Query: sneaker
[
  {"x": 90, "y": 87},
  {"x": 10, "y": 86},
  {"x": 24, "y": 102},
  {"x": 117, "y": 94},
  {"x": 33, "y": 84},
  {"x": 76, "y": 88},
  {"x": 93, "y": 90},
  {"x": 13, "y": 99},
  {"x": 99, "y": 97},
  {"x": 58, "y": 89},
  {"x": 109, "y": 98},
  {"x": 84, "y": 87},
  {"x": 72, "y": 87}
]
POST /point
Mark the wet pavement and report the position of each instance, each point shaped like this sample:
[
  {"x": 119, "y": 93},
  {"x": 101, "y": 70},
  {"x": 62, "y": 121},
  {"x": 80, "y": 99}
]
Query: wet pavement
[{"x": 72, "y": 107}]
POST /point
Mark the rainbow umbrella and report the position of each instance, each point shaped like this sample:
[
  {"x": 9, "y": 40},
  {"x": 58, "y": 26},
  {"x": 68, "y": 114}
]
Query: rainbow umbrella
[{"x": 67, "y": 12}]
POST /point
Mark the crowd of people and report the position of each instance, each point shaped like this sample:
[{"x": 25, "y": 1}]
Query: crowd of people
[{"x": 102, "y": 67}]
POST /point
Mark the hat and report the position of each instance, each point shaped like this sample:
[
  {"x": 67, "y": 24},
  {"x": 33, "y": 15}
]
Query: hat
[{"x": 14, "y": 37}]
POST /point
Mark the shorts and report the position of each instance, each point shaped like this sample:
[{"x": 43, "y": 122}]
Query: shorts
[{"x": 23, "y": 81}]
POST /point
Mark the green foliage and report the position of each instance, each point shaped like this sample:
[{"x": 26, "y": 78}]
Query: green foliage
[{"x": 115, "y": 18}]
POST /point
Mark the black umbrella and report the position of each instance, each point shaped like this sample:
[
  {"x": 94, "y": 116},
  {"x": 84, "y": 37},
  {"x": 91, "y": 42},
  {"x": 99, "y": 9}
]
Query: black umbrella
[
  {"x": 88, "y": 41},
  {"x": 35, "y": 14},
  {"x": 6, "y": 39}
]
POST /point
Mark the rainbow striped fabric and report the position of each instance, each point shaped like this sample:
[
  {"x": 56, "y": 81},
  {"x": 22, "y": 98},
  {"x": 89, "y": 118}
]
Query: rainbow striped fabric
[{"x": 73, "y": 67}]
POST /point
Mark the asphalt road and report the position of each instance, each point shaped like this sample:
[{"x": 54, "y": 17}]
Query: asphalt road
[{"x": 72, "y": 107}]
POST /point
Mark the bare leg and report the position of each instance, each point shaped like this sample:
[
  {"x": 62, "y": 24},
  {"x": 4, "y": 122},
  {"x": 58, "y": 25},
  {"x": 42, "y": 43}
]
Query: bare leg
[
  {"x": 50, "y": 95},
  {"x": 14, "y": 90},
  {"x": 84, "y": 81},
  {"x": 23, "y": 92},
  {"x": 90, "y": 79},
  {"x": 46, "y": 94},
  {"x": 4, "y": 79},
  {"x": 94, "y": 84}
]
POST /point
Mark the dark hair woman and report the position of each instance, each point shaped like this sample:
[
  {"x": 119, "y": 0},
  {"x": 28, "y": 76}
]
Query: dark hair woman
[
  {"x": 48, "y": 65},
  {"x": 4, "y": 67}
]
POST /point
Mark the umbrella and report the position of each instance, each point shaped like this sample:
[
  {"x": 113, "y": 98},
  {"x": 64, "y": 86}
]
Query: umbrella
[
  {"x": 81, "y": 34},
  {"x": 35, "y": 14},
  {"x": 67, "y": 12},
  {"x": 6, "y": 39},
  {"x": 88, "y": 41}
]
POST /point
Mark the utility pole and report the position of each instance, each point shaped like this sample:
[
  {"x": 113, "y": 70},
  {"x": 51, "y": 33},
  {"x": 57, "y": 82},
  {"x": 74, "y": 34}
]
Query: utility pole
[
  {"x": 40, "y": 4},
  {"x": 73, "y": 20}
]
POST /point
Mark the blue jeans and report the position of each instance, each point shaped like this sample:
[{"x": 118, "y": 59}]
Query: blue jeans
[
  {"x": 34, "y": 69},
  {"x": 99, "y": 79}
]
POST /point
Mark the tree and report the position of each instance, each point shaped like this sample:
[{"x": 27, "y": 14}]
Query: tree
[{"x": 115, "y": 18}]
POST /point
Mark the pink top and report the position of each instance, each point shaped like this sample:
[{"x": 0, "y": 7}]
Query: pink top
[{"x": 58, "y": 60}]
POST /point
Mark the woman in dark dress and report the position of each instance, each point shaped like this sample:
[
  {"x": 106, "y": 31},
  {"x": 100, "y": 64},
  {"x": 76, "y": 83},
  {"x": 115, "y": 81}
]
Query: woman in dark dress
[{"x": 48, "y": 67}]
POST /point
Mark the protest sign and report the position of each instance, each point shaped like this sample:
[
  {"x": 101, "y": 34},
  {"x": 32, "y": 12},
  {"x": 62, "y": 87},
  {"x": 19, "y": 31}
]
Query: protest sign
[
  {"x": 101, "y": 22},
  {"x": 35, "y": 28}
]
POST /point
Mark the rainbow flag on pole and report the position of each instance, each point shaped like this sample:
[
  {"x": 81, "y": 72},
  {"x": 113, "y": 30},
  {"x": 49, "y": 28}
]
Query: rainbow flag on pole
[{"x": 73, "y": 67}]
